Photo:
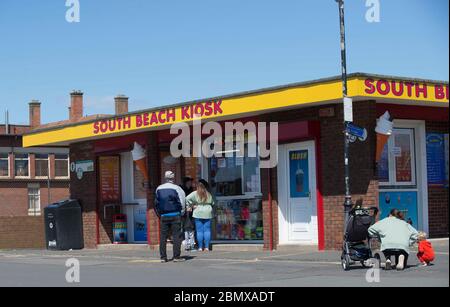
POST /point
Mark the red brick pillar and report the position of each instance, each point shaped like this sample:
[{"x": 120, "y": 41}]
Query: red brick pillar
[
  {"x": 363, "y": 180},
  {"x": 32, "y": 168},
  {"x": 270, "y": 219},
  {"x": 12, "y": 170},
  {"x": 154, "y": 180},
  {"x": 85, "y": 190},
  {"x": 51, "y": 158}
]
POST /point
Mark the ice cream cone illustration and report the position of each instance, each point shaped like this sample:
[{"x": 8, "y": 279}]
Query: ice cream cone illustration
[
  {"x": 384, "y": 131},
  {"x": 139, "y": 157}
]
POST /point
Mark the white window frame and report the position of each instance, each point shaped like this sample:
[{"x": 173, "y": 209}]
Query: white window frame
[
  {"x": 34, "y": 211},
  {"x": 392, "y": 160},
  {"x": 68, "y": 166},
  {"x": 29, "y": 164},
  {"x": 421, "y": 170},
  {"x": 9, "y": 165},
  {"x": 48, "y": 165}
]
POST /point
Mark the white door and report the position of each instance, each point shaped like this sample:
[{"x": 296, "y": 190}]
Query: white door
[{"x": 297, "y": 194}]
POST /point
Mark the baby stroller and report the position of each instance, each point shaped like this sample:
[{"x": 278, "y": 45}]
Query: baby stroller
[{"x": 357, "y": 244}]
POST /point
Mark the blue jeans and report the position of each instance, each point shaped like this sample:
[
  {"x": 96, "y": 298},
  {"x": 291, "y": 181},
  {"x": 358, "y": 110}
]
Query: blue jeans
[{"x": 203, "y": 228}]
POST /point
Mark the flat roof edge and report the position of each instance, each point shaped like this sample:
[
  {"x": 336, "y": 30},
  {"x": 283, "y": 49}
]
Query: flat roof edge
[{"x": 245, "y": 93}]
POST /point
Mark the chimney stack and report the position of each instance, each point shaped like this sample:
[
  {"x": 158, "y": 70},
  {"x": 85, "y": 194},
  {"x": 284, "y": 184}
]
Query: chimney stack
[
  {"x": 121, "y": 104},
  {"x": 76, "y": 105},
  {"x": 35, "y": 113}
]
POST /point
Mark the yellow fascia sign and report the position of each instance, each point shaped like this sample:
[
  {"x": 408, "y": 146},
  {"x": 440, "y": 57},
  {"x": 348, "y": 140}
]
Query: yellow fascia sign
[{"x": 258, "y": 102}]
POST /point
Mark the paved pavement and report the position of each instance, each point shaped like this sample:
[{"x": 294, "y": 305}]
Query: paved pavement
[{"x": 292, "y": 268}]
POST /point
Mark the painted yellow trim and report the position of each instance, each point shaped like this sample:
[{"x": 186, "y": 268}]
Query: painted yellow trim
[{"x": 273, "y": 100}]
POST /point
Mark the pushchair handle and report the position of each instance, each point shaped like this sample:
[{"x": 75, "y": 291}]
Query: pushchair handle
[{"x": 374, "y": 209}]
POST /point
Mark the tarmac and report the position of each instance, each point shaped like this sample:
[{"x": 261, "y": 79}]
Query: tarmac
[{"x": 292, "y": 267}]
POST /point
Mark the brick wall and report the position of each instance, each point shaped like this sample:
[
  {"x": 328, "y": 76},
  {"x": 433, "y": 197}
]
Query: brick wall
[
  {"x": 14, "y": 195},
  {"x": 437, "y": 195},
  {"x": 267, "y": 221},
  {"x": 363, "y": 182},
  {"x": 85, "y": 190},
  {"x": 22, "y": 232}
]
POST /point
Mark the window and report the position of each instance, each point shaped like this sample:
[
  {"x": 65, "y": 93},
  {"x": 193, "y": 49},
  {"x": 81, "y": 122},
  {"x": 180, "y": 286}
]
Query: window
[
  {"x": 397, "y": 165},
  {"x": 234, "y": 176},
  {"x": 235, "y": 182},
  {"x": 238, "y": 219},
  {"x": 61, "y": 165},
  {"x": 41, "y": 165},
  {"x": 21, "y": 165},
  {"x": 4, "y": 165},
  {"x": 34, "y": 200}
]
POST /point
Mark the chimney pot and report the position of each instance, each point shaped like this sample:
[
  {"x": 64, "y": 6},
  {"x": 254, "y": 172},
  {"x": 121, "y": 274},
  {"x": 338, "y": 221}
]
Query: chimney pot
[{"x": 121, "y": 104}]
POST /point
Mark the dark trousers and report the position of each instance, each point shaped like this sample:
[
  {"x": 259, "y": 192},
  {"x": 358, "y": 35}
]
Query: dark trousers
[
  {"x": 388, "y": 253},
  {"x": 170, "y": 224}
]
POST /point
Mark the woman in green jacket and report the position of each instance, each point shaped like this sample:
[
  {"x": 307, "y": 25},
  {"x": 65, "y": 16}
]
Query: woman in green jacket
[
  {"x": 396, "y": 237},
  {"x": 202, "y": 202}
]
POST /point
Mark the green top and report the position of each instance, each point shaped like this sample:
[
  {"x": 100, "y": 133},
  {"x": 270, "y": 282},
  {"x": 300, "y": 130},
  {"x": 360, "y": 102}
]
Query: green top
[
  {"x": 394, "y": 233},
  {"x": 204, "y": 209}
]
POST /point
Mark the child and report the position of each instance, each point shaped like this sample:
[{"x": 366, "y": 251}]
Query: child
[
  {"x": 426, "y": 252},
  {"x": 189, "y": 230}
]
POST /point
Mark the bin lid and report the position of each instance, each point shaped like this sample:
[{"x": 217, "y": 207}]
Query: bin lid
[{"x": 68, "y": 203}]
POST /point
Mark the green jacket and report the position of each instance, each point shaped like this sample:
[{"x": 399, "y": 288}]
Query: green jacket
[
  {"x": 394, "y": 234},
  {"x": 204, "y": 210}
]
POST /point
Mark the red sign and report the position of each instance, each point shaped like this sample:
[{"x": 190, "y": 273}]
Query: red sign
[
  {"x": 407, "y": 89},
  {"x": 157, "y": 118},
  {"x": 109, "y": 169}
]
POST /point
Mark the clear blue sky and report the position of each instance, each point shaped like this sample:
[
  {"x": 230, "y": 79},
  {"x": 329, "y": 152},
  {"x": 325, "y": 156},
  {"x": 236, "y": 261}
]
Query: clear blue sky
[{"x": 159, "y": 52}]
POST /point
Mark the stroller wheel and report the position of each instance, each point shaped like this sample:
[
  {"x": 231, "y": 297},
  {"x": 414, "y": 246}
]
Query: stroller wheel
[{"x": 345, "y": 262}]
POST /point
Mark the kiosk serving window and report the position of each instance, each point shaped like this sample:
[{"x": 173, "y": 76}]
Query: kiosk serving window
[
  {"x": 236, "y": 185},
  {"x": 234, "y": 176}
]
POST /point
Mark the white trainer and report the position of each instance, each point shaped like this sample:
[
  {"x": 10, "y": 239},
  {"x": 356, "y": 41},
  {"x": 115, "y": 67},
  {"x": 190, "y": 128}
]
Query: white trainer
[
  {"x": 388, "y": 265},
  {"x": 401, "y": 263}
]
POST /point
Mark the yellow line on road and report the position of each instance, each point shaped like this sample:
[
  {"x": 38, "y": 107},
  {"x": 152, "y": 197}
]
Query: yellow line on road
[
  {"x": 243, "y": 261},
  {"x": 145, "y": 261}
]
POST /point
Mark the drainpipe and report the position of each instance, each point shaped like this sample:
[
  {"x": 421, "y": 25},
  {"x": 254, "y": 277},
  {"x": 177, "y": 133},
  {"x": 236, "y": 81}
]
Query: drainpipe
[
  {"x": 6, "y": 122},
  {"x": 270, "y": 211}
]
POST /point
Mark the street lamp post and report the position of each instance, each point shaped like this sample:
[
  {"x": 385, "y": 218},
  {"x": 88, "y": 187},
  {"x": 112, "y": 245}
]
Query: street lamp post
[{"x": 348, "y": 197}]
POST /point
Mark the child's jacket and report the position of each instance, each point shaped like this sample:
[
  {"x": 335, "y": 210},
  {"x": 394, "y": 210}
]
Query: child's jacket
[{"x": 426, "y": 252}]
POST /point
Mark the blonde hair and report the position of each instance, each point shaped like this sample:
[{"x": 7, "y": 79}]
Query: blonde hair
[
  {"x": 202, "y": 192},
  {"x": 422, "y": 236}
]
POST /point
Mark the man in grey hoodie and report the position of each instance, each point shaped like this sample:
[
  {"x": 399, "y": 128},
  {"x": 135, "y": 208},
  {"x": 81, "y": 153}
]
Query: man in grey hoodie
[{"x": 396, "y": 237}]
